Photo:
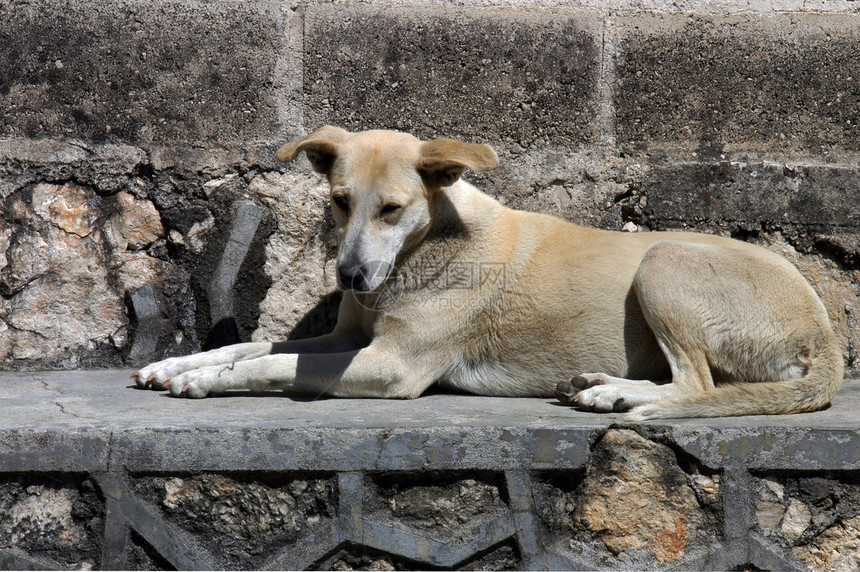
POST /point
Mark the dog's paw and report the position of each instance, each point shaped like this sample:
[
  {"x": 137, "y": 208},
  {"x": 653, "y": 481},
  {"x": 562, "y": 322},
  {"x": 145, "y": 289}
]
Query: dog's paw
[
  {"x": 601, "y": 398},
  {"x": 195, "y": 384},
  {"x": 566, "y": 391},
  {"x": 156, "y": 374}
]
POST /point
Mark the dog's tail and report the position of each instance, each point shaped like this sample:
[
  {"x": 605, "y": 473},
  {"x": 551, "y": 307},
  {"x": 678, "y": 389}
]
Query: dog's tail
[{"x": 811, "y": 392}]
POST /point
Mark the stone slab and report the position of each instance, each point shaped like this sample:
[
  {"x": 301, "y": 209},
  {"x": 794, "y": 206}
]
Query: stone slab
[
  {"x": 100, "y": 421},
  {"x": 140, "y": 71},
  {"x": 779, "y": 82},
  {"x": 486, "y": 74},
  {"x": 755, "y": 195}
]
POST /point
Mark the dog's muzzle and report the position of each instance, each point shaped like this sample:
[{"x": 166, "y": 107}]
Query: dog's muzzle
[{"x": 363, "y": 277}]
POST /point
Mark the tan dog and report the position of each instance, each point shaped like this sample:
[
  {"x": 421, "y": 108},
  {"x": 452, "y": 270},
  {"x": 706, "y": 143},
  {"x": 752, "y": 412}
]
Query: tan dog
[{"x": 445, "y": 285}]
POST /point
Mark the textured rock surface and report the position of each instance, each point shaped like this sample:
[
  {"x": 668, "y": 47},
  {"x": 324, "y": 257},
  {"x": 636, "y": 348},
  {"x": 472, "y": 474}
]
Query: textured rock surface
[
  {"x": 521, "y": 76},
  {"x": 57, "y": 520},
  {"x": 837, "y": 548},
  {"x": 59, "y": 305},
  {"x": 303, "y": 298},
  {"x": 817, "y": 517},
  {"x": 138, "y": 71},
  {"x": 244, "y": 518},
  {"x": 713, "y": 84},
  {"x": 637, "y": 498},
  {"x": 440, "y": 502}
]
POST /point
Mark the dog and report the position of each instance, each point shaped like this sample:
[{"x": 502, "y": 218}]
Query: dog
[{"x": 444, "y": 285}]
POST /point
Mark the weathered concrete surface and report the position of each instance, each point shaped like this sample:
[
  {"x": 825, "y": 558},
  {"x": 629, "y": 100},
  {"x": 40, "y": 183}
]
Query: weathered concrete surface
[
  {"x": 241, "y": 431},
  {"x": 445, "y": 480},
  {"x": 140, "y": 72},
  {"x": 712, "y": 84},
  {"x": 522, "y": 76}
]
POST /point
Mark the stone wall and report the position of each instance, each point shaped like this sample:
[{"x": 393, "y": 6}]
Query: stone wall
[
  {"x": 95, "y": 474},
  {"x": 144, "y": 213}
]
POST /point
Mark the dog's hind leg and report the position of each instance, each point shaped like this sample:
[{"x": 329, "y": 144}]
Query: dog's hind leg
[
  {"x": 690, "y": 372},
  {"x": 744, "y": 315},
  {"x": 677, "y": 319}
]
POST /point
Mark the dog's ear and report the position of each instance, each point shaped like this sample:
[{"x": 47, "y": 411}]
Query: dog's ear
[
  {"x": 442, "y": 161},
  {"x": 320, "y": 148}
]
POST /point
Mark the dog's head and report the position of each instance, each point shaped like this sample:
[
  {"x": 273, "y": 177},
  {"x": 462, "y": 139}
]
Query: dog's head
[{"x": 382, "y": 184}]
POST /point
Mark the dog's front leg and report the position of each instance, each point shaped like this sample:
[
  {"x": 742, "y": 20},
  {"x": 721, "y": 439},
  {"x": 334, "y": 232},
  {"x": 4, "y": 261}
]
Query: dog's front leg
[
  {"x": 368, "y": 372},
  {"x": 155, "y": 374}
]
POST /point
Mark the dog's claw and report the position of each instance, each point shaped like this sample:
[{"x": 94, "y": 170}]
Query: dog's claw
[
  {"x": 565, "y": 392},
  {"x": 166, "y": 384},
  {"x": 184, "y": 390}
]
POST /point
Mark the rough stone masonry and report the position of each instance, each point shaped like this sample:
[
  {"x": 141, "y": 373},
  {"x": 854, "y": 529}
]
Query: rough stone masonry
[{"x": 144, "y": 214}]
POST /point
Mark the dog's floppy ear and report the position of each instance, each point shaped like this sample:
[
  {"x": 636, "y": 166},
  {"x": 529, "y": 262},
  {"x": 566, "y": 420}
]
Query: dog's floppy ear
[
  {"x": 320, "y": 147},
  {"x": 442, "y": 161}
]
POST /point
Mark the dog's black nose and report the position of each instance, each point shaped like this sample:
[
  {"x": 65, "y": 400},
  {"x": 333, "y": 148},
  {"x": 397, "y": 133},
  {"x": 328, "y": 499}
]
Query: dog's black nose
[{"x": 352, "y": 278}]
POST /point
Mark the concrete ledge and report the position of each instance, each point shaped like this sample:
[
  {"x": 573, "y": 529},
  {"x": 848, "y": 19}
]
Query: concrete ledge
[{"x": 525, "y": 472}]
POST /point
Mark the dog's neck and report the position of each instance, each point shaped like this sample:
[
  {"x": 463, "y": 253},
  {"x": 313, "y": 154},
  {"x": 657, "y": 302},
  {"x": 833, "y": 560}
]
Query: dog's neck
[
  {"x": 460, "y": 216},
  {"x": 463, "y": 207}
]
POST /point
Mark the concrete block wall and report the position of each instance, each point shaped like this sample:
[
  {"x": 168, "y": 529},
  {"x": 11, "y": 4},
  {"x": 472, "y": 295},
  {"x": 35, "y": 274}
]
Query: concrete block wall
[{"x": 144, "y": 213}]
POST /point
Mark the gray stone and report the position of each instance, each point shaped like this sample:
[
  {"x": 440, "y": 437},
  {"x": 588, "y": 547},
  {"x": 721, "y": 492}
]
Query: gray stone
[
  {"x": 753, "y": 195},
  {"x": 636, "y": 498},
  {"x": 769, "y": 514},
  {"x": 714, "y": 84},
  {"x": 796, "y": 520},
  {"x": 302, "y": 300},
  {"x": 522, "y": 76},
  {"x": 107, "y": 166},
  {"x": 432, "y": 506},
  {"x": 58, "y": 303},
  {"x": 139, "y": 71},
  {"x": 836, "y": 549},
  {"x": 245, "y": 518},
  {"x": 66, "y": 272},
  {"x": 245, "y": 222},
  {"x": 204, "y": 483},
  {"x": 54, "y": 520},
  {"x": 135, "y": 224},
  {"x": 148, "y": 328}
]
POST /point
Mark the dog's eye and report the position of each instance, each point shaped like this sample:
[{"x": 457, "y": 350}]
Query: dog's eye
[
  {"x": 390, "y": 208},
  {"x": 341, "y": 202}
]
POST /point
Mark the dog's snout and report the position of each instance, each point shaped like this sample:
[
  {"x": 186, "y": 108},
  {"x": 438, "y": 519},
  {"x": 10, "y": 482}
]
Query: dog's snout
[
  {"x": 362, "y": 277},
  {"x": 352, "y": 278}
]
